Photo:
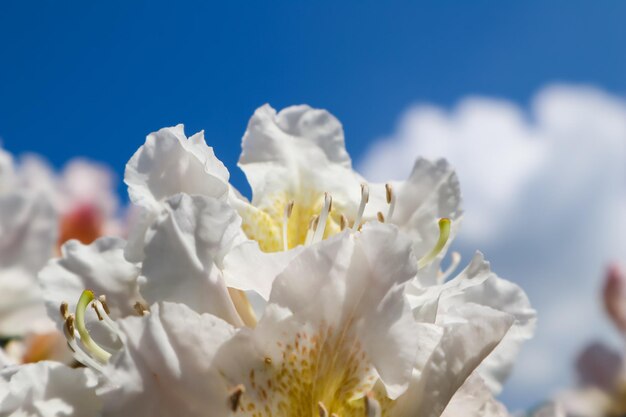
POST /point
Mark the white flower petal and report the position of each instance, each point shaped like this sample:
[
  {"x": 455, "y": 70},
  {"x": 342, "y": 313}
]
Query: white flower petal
[
  {"x": 470, "y": 335},
  {"x": 477, "y": 284},
  {"x": 166, "y": 367},
  {"x": 474, "y": 399},
  {"x": 184, "y": 251},
  {"x": 248, "y": 268},
  {"x": 296, "y": 151},
  {"x": 48, "y": 389},
  {"x": 167, "y": 164}
]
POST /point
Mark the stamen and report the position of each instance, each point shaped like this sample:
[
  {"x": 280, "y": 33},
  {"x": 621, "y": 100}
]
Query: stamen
[
  {"x": 103, "y": 301},
  {"x": 104, "y": 317},
  {"x": 381, "y": 217},
  {"x": 69, "y": 331},
  {"x": 312, "y": 226},
  {"x": 83, "y": 302},
  {"x": 69, "y": 328},
  {"x": 454, "y": 263},
  {"x": 234, "y": 397},
  {"x": 64, "y": 309},
  {"x": 93, "y": 305},
  {"x": 319, "y": 230},
  {"x": 343, "y": 222},
  {"x": 322, "y": 409},
  {"x": 444, "y": 234},
  {"x": 365, "y": 196},
  {"x": 391, "y": 200},
  {"x": 140, "y": 308},
  {"x": 286, "y": 216},
  {"x": 372, "y": 406}
]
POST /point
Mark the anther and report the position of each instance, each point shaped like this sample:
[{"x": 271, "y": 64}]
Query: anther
[
  {"x": 103, "y": 301},
  {"x": 268, "y": 360},
  {"x": 311, "y": 230},
  {"x": 391, "y": 200},
  {"x": 140, "y": 308},
  {"x": 381, "y": 217},
  {"x": 444, "y": 234},
  {"x": 286, "y": 216},
  {"x": 372, "y": 406},
  {"x": 322, "y": 409},
  {"x": 69, "y": 327},
  {"x": 97, "y": 312},
  {"x": 234, "y": 397},
  {"x": 318, "y": 235},
  {"x": 365, "y": 196},
  {"x": 64, "y": 309},
  {"x": 343, "y": 222}
]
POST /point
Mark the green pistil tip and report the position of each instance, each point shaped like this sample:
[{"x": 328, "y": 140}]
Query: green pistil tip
[{"x": 444, "y": 234}]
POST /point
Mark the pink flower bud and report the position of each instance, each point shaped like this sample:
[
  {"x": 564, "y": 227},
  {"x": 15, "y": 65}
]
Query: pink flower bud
[{"x": 614, "y": 300}]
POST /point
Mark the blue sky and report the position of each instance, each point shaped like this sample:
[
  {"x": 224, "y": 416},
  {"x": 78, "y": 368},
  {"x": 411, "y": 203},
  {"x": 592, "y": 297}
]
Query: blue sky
[{"x": 93, "y": 78}]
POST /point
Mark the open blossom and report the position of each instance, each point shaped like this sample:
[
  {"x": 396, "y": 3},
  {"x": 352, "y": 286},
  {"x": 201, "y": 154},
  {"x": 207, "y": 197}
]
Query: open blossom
[
  {"x": 38, "y": 212},
  {"x": 357, "y": 319}
]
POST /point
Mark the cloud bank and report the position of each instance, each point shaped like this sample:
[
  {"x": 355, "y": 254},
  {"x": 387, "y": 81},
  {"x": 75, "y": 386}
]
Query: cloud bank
[{"x": 545, "y": 199}]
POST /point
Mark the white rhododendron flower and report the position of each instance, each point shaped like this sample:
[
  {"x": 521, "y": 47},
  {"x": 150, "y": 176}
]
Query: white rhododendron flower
[
  {"x": 353, "y": 318},
  {"x": 39, "y": 211}
]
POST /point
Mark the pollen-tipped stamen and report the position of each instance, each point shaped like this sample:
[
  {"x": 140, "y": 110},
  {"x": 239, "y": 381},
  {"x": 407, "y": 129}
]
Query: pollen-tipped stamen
[
  {"x": 64, "y": 310},
  {"x": 311, "y": 230},
  {"x": 343, "y": 222},
  {"x": 372, "y": 406},
  {"x": 103, "y": 315},
  {"x": 380, "y": 216},
  {"x": 318, "y": 235},
  {"x": 444, "y": 234},
  {"x": 286, "y": 216},
  {"x": 141, "y": 308},
  {"x": 69, "y": 330},
  {"x": 234, "y": 397},
  {"x": 365, "y": 196},
  {"x": 321, "y": 408},
  {"x": 391, "y": 200}
]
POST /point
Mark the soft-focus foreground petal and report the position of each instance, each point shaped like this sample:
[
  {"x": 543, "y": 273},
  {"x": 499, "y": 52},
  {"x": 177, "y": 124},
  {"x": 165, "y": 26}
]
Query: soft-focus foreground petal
[
  {"x": 165, "y": 368},
  {"x": 48, "y": 389},
  {"x": 337, "y": 320},
  {"x": 28, "y": 233},
  {"x": 477, "y": 284},
  {"x": 167, "y": 164},
  {"x": 474, "y": 399},
  {"x": 184, "y": 251}
]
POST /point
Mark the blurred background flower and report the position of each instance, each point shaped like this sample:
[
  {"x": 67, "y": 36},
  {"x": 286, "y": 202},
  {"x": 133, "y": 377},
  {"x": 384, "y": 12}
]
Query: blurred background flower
[{"x": 525, "y": 99}]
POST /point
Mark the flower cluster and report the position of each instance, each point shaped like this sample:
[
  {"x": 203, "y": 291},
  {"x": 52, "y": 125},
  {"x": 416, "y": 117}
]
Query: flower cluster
[{"x": 323, "y": 295}]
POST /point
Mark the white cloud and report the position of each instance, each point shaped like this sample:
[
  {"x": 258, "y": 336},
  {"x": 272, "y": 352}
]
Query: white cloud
[{"x": 545, "y": 199}]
